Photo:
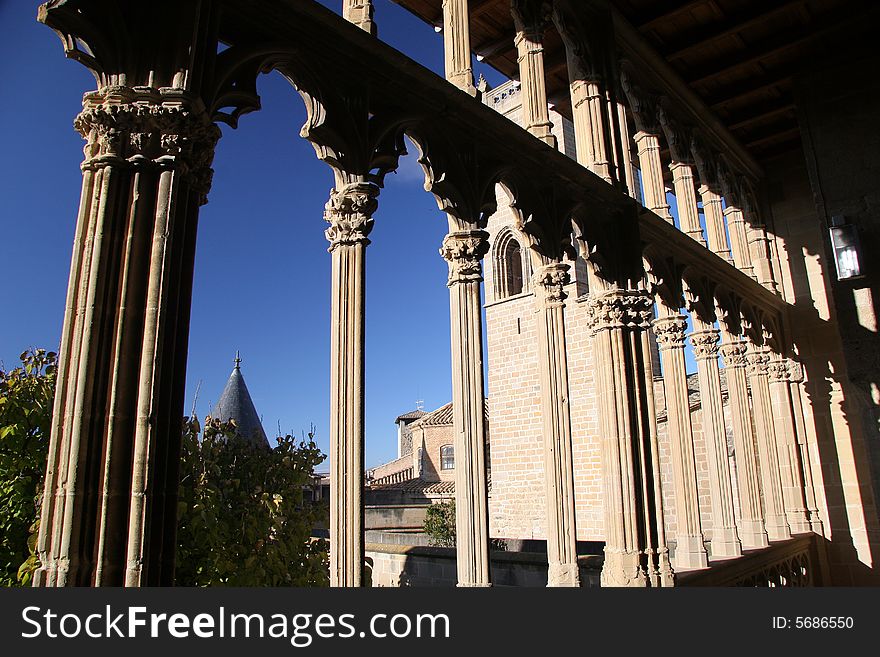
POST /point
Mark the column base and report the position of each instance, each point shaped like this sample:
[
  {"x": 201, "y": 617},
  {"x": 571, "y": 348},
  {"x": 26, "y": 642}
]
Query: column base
[
  {"x": 563, "y": 574},
  {"x": 797, "y": 521},
  {"x": 777, "y": 528},
  {"x": 753, "y": 535},
  {"x": 816, "y": 525},
  {"x": 725, "y": 543},
  {"x": 623, "y": 569},
  {"x": 690, "y": 553},
  {"x": 473, "y": 585}
]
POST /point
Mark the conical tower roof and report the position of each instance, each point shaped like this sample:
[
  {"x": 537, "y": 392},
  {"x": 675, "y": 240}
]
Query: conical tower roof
[{"x": 236, "y": 404}]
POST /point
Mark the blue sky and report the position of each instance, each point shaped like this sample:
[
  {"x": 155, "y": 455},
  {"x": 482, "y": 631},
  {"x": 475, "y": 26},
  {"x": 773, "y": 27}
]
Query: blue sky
[
  {"x": 262, "y": 276},
  {"x": 262, "y": 281}
]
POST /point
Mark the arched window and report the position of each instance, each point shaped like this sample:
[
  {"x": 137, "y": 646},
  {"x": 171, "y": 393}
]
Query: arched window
[
  {"x": 514, "y": 274},
  {"x": 509, "y": 264},
  {"x": 447, "y": 457}
]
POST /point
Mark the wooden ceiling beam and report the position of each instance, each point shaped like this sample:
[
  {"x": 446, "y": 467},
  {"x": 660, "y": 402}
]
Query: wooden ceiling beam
[
  {"x": 756, "y": 115},
  {"x": 699, "y": 37},
  {"x": 747, "y": 89},
  {"x": 670, "y": 9}
]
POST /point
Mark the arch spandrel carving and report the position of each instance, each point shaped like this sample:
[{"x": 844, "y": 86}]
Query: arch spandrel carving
[
  {"x": 678, "y": 135},
  {"x": 461, "y": 178},
  {"x": 544, "y": 217},
  {"x": 663, "y": 277},
  {"x": 699, "y": 296},
  {"x": 643, "y": 103}
]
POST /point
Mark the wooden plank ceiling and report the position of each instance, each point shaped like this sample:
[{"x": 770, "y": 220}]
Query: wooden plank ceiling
[{"x": 738, "y": 56}]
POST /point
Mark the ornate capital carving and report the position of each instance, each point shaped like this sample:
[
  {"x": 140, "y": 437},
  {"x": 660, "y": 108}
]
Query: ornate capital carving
[
  {"x": 670, "y": 331},
  {"x": 551, "y": 280},
  {"x": 705, "y": 344},
  {"x": 795, "y": 371},
  {"x": 144, "y": 126},
  {"x": 758, "y": 362},
  {"x": 620, "y": 309},
  {"x": 350, "y": 214},
  {"x": 734, "y": 353},
  {"x": 463, "y": 252},
  {"x": 779, "y": 370}
]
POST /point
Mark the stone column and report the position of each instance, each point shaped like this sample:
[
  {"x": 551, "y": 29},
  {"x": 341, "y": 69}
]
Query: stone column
[
  {"x": 632, "y": 185},
  {"x": 685, "y": 195},
  {"x": 635, "y": 549},
  {"x": 771, "y": 484},
  {"x": 457, "y": 45},
  {"x": 549, "y": 284},
  {"x": 670, "y": 327},
  {"x": 715, "y": 233},
  {"x": 795, "y": 380},
  {"x": 751, "y": 522},
  {"x": 110, "y": 503},
  {"x": 360, "y": 12},
  {"x": 790, "y": 470},
  {"x": 350, "y": 215},
  {"x": 530, "y": 57},
  {"x": 759, "y": 244},
  {"x": 648, "y": 145},
  {"x": 589, "y": 128},
  {"x": 725, "y": 540},
  {"x": 463, "y": 250},
  {"x": 739, "y": 245}
]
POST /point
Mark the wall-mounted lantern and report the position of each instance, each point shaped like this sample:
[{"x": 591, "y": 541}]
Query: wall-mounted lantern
[{"x": 847, "y": 252}]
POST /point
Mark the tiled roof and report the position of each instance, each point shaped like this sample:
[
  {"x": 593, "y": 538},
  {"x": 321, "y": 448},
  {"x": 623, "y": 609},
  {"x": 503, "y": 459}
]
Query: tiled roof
[
  {"x": 411, "y": 415},
  {"x": 420, "y": 486},
  {"x": 443, "y": 416}
]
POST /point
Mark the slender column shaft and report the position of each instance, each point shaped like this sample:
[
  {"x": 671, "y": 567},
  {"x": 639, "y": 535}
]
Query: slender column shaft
[
  {"x": 790, "y": 471},
  {"x": 725, "y": 540},
  {"x": 652, "y": 174},
  {"x": 795, "y": 380},
  {"x": 686, "y": 197},
  {"x": 690, "y": 552},
  {"x": 715, "y": 233},
  {"x": 530, "y": 57},
  {"x": 463, "y": 251},
  {"x": 752, "y": 532},
  {"x": 360, "y": 12},
  {"x": 626, "y": 156},
  {"x": 115, "y": 438},
  {"x": 656, "y": 548},
  {"x": 350, "y": 215},
  {"x": 589, "y": 130},
  {"x": 635, "y": 550},
  {"x": 457, "y": 45},
  {"x": 549, "y": 283},
  {"x": 739, "y": 245},
  {"x": 759, "y": 244},
  {"x": 771, "y": 484}
]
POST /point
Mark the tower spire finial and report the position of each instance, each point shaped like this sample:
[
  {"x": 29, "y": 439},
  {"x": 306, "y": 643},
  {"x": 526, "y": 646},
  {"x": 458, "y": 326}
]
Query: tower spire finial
[{"x": 237, "y": 359}]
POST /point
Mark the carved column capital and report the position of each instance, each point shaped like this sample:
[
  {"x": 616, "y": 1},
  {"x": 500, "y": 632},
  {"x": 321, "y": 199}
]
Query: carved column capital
[
  {"x": 670, "y": 331},
  {"x": 620, "y": 309},
  {"x": 779, "y": 370},
  {"x": 795, "y": 371},
  {"x": 149, "y": 127},
  {"x": 758, "y": 362},
  {"x": 350, "y": 214},
  {"x": 734, "y": 353},
  {"x": 705, "y": 344},
  {"x": 550, "y": 280},
  {"x": 463, "y": 251}
]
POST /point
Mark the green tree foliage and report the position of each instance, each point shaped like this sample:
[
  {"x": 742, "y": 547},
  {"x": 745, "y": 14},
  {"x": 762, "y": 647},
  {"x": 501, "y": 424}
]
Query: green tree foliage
[
  {"x": 26, "y": 394},
  {"x": 243, "y": 517},
  {"x": 440, "y": 523}
]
